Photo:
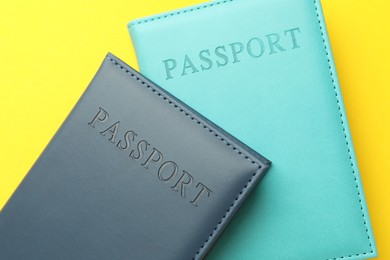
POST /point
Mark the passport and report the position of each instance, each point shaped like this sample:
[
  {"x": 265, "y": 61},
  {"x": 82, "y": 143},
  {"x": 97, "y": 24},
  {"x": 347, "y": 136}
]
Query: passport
[
  {"x": 264, "y": 71},
  {"x": 132, "y": 173}
]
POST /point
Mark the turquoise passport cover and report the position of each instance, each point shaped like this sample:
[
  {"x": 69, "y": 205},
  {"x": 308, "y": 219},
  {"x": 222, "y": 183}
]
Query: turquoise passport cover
[{"x": 266, "y": 67}]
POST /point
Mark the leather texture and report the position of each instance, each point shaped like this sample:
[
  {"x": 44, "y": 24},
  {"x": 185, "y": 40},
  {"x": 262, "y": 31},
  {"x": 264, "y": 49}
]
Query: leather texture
[
  {"x": 264, "y": 71},
  {"x": 133, "y": 173}
]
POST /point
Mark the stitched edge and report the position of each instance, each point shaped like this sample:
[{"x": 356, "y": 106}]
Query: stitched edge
[
  {"x": 186, "y": 10},
  {"x": 167, "y": 99},
  {"x": 346, "y": 140}
]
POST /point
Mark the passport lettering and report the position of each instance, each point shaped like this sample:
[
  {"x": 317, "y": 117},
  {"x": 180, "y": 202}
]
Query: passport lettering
[
  {"x": 232, "y": 53},
  {"x": 145, "y": 154}
]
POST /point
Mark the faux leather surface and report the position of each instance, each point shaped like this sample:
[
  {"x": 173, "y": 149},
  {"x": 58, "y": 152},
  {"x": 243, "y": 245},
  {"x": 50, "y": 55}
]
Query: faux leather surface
[
  {"x": 132, "y": 174},
  {"x": 266, "y": 67}
]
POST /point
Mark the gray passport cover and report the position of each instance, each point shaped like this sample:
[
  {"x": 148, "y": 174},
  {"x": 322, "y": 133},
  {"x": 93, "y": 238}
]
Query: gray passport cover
[{"x": 133, "y": 173}]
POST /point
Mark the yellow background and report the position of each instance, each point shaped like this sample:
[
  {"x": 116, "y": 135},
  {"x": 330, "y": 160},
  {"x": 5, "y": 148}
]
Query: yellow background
[{"x": 50, "y": 50}]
